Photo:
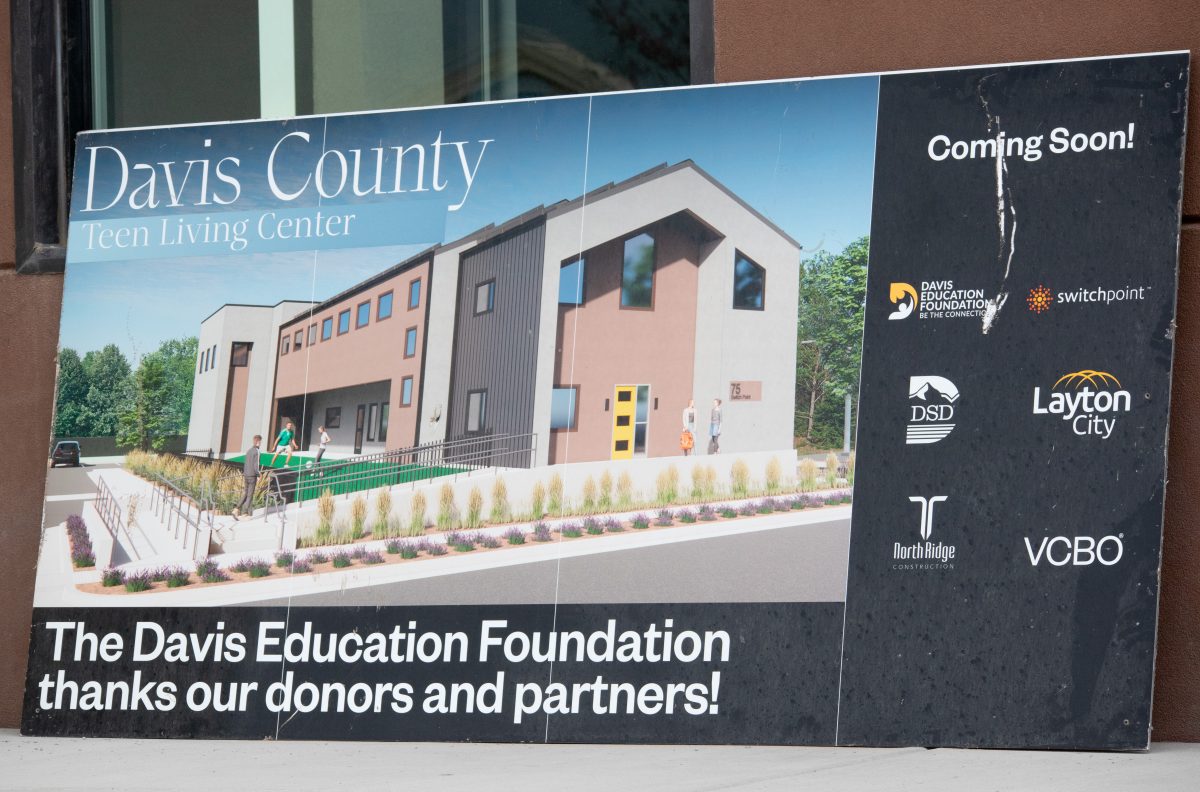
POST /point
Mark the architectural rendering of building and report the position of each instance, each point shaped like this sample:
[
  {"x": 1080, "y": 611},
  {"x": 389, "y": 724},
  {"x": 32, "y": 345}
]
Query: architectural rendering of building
[{"x": 591, "y": 336}]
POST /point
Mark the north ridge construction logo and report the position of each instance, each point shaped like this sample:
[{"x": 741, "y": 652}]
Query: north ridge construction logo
[
  {"x": 935, "y": 300},
  {"x": 925, "y": 554},
  {"x": 1041, "y": 299},
  {"x": 931, "y": 405},
  {"x": 1090, "y": 400}
]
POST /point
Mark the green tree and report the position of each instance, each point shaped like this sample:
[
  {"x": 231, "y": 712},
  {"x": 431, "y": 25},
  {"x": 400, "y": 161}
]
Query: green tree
[
  {"x": 143, "y": 417},
  {"x": 107, "y": 373},
  {"x": 70, "y": 414},
  {"x": 829, "y": 340},
  {"x": 178, "y": 358}
]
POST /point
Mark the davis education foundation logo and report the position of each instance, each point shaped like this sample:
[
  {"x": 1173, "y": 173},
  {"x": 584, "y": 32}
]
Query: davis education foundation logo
[
  {"x": 935, "y": 300},
  {"x": 925, "y": 554},
  {"x": 1090, "y": 400},
  {"x": 931, "y": 404}
]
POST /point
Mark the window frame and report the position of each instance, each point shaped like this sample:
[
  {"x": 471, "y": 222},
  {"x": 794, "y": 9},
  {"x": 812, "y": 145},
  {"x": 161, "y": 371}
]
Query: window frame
[
  {"x": 653, "y": 272},
  {"x": 358, "y": 315},
  {"x": 415, "y": 335},
  {"x": 409, "y": 382},
  {"x": 739, "y": 256},
  {"x": 482, "y": 422},
  {"x": 326, "y": 322},
  {"x": 574, "y": 427},
  {"x": 379, "y": 315},
  {"x": 242, "y": 347},
  {"x": 285, "y": 344},
  {"x": 372, "y": 417},
  {"x": 333, "y": 417},
  {"x": 412, "y": 306},
  {"x": 298, "y": 339},
  {"x": 343, "y": 314},
  {"x": 490, "y": 284},
  {"x": 384, "y": 413},
  {"x": 312, "y": 334}
]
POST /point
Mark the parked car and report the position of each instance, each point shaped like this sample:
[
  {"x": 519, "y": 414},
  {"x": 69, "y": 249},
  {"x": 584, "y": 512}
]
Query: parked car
[{"x": 66, "y": 452}]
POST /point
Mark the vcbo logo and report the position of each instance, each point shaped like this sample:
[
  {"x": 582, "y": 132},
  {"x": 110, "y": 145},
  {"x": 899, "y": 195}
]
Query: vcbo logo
[{"x": 1077, "y": 551}]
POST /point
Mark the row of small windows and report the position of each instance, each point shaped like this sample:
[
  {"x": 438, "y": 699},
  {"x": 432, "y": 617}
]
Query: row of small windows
[
  {"x": 362, "y": 318},
  {"x": 637, "y": 278},
  {"x": 208, "y": 359}
]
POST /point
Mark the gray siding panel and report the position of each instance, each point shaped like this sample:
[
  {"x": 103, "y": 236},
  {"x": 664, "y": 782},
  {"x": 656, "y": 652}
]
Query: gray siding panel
[{"x": 497, "y": 351}]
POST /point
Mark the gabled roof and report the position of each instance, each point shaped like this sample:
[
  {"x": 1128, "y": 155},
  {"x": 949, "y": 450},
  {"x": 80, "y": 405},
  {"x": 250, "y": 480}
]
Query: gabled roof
[{"x": 538, "y": 213}]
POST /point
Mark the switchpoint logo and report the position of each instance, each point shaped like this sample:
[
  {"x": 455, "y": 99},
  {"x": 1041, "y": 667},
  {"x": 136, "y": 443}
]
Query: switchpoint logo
[
  {"x": 1090, "y": 400},
  {"x": 904, "y": 297},
  {"x": 925, "y": 554},
  {"x": 931, "y": 404},
  {"x": 1041, "y": 299},
  {"x": 936, "y": 300}
]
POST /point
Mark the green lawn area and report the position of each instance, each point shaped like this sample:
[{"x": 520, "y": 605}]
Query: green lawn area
[{"x": 341, "y": 476}]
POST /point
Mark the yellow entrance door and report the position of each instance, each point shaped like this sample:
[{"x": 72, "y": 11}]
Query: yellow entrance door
[{"x": 624, "y": 409}]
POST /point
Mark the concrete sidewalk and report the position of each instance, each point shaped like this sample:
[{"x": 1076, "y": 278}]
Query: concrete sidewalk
[{"x": 29, "y": 764}]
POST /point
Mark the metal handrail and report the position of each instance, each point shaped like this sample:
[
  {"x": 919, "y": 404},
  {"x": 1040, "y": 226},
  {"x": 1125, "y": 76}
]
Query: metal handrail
[
  {"x": 189, "y": 521},
  {"x": 109, "y": 509},
  {"x": 388, "y": 468}
]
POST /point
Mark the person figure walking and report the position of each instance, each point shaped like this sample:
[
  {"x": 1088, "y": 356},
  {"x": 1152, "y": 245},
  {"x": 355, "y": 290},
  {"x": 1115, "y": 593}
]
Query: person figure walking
[
  {"x": 285, "y": 442},
  {"x": 714, "y": 428},
  {"x": 324, "y": 443},
  {"x": 687, "y": 440},
  {"x": 250, "y": 471}
]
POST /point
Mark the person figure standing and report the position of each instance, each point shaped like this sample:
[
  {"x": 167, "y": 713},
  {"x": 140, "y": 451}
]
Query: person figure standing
[
  {"x": 714, "y": 428},
  {"x": 285, "y": 442},
  {"x": 687, "y": 441},
  {"x": 324, "y": 443},
  {"x": 250, "y": 470}
]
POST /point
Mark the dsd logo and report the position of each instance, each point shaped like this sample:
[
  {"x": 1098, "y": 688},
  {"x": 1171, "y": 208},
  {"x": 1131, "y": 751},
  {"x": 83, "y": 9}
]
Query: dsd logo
[
  {"x": 931, "y": 402},
  {"x": 1042, "y": 299},
  {"x": 925, "y": 554},
  {"x": 1090, "y": 400},
  {"x": 935, "y": 300}
]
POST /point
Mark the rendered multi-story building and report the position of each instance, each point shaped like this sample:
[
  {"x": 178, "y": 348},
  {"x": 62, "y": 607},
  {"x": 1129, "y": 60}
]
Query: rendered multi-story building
[{"x": 591, "y": 336}]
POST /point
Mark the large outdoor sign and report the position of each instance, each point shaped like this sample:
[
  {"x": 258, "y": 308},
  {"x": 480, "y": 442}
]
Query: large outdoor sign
[{"x": 525, "y": 421}]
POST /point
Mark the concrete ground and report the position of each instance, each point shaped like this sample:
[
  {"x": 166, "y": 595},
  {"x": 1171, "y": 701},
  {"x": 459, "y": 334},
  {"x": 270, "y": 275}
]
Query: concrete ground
[{"x": 32, "y": 764}]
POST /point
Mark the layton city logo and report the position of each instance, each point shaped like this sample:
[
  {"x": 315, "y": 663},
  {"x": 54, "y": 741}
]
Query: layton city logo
[
  {"x": 1091, "y": 412},
  {"x": 1041, "y": 299},
  {"x": 935, "y": 300},
  {"x": 931, "y": 401},
  {"x": 925, "y": 554}
]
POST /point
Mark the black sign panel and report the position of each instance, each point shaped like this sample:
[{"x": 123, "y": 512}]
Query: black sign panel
[{"x": 1004, "y": 570}]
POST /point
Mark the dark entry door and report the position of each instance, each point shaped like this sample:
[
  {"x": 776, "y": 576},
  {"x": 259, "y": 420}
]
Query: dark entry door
[{"x": 359, "y": 421}]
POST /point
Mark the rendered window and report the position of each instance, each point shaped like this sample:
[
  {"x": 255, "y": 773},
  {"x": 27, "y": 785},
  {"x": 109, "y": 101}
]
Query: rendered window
[
  {"x": 485, "y": 297},
  {"x": 239, "y": 355},
  {"x": 372, "y": 418},
  {"x": 476, "y": 410},
  {"x": 385, "y": 307},
  {"x": 327, "y": 329},
  {"x": 299, "y": 340},
  {"x": 333, "y": 417},
  {"x": 562, "y": 407},
  {"x": 406, "y": 392},
  {"x": 212, "y": 357},
  {"x": 203, "y": 360},
  {"x": 312, "y": 334},
  {"x": 344, "y": 322},
  {"x": 364, "y": 314},
  {"x": 414, "y": 294},
  {"x": 286, "y": 346},
  {"x": 637, "y": 272},
  {"x": 749, "y": 284},
  {"x": 570, "y": 283},
  {"x": 410, "y": 342},
  {"x": 383, "y": 421}
]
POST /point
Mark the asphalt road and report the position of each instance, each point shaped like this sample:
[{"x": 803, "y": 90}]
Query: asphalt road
[
  {"x": 68, "y": 481},
  {"x": 805, "y": 563}
]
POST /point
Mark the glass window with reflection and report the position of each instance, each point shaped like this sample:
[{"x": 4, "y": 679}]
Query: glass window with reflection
[
  {"x": 385, "y": 307},
  {"x": 570, "y": 283},
  {"x": 562, "y": 407},
  {"x": 637, "y": 272},
  {"x": 749, "y": 284}
]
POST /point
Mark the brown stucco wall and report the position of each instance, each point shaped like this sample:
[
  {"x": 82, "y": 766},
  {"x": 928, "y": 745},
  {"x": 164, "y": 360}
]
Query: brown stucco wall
[
  {"x": 600, "y": 345},
  {"x": 766, "y": 39},
  {"x": 365, "y": 354}
]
